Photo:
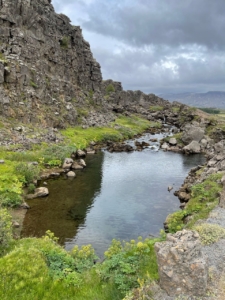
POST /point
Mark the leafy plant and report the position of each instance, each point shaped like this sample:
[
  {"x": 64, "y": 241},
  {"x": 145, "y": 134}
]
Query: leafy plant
[
  {"x": 62, "y": 267},
  {"x": 84, "y": 258},
  {"x": 54, "y": 163},
  {"x": 126, "y": 263}
]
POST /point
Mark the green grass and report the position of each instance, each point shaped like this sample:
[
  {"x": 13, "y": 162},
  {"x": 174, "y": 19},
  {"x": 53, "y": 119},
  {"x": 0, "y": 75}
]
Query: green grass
[
  {"x": 16, "y": 171},
  {"x": 129, "y": 126},
  {"x": 175, "y": 109},
  {"x": 204, "y": 197},
  {"x": 26, "y": 273}
]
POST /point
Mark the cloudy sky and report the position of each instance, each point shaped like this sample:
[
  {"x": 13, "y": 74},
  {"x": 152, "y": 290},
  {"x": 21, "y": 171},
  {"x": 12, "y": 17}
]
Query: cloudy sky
[{"x": 157, "y": 46}]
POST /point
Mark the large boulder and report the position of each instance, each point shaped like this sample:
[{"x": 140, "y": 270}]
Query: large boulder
[
  {"x": 193, "y": 147},
  {"x": 192, "y": 133},
  {"x": 183, "y": 269}
]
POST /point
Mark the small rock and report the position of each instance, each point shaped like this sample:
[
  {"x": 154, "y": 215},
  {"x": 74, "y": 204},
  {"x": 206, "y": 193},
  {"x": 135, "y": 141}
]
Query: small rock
[
  {"x": 2, "y": 161},
  {"x": 173, "y": 141},
  {"x": 80, "y": 153},
  {"x": 170, "y": 188},
  {"x": 41, "y": 192},
  {"x": 25, "y": 205},
  {"x": 165, "y": 146},
  {"x": 76, "y": 166},
  {"x": 71, "y": 174},
  {"x": 15, "y": 224},
  {"x": 82, "y": 163}
]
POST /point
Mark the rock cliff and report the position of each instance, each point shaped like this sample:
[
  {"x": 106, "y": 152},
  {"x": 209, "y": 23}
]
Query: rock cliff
[{"x": 48, "y": 74}]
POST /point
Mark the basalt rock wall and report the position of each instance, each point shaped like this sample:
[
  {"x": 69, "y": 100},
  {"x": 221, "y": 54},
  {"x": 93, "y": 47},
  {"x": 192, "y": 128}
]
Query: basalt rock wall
[
  {"x": 46, "y": 67},
  {"x": 48, "y": 74}
]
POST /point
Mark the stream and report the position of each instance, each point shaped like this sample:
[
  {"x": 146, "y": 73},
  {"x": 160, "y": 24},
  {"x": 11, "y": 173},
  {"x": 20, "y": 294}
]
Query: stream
[{"x": 119, "y": 195}]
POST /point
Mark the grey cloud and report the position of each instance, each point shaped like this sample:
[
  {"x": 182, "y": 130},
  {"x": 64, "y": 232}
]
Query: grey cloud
[
  {"x": 146, "y": 71},
  {"x": 155, "y": 45},
  {"x": 160, "y": 21}
]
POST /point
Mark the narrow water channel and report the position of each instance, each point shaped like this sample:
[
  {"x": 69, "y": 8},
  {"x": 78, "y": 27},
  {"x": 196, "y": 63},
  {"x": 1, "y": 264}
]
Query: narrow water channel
[{"x": 118, "y": 195}]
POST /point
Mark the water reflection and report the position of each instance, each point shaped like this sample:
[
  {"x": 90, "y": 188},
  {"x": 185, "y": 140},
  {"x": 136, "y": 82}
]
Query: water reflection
[
  {"x": 65, "y": 209},
  {"x": 119, "y": 195}
]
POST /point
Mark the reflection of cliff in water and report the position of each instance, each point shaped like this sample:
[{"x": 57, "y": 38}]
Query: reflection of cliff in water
[
  {"x": 63, "y": 214},
  {"x": 194, "y": 159}
]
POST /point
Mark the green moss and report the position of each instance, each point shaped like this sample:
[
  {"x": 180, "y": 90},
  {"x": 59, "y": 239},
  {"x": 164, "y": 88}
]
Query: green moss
[
  {"x": 128, "y": 127},
  {"x": 82, "y": 112},
  {"x": 210, "y": 233},
  {"x": 204, "y": 197},
  {"x": 156, "y": 108},
  {"x": 2, "y": 58},
  {"x": 177, "y": 136},
  {"x": 175, "y": 109},
  {"x": 64, "y": 42}
]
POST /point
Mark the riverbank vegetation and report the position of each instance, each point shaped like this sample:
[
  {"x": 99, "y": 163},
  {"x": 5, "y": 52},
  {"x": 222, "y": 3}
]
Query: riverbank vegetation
[
  {"x": 22, "y": 168},
  {"x": 204, "y": 197},
  {"x": 38, "y": 268}
]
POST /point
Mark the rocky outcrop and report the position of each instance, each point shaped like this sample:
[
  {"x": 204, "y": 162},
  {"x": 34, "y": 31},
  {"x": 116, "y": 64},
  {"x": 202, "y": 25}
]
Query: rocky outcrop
[
  {"x": 47, "y": 69},
  {"x": 183, "y": 269},
  {"x": 48, "y": 75},
  {"x": 192, "y": 148},
  {"x": 192, "y": 132}
]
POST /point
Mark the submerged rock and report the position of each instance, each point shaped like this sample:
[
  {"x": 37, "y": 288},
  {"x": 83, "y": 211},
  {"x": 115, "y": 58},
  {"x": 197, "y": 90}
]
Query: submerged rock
[
  {"x": 39, "y": 192},
  {"x": 71, "y": 174}
]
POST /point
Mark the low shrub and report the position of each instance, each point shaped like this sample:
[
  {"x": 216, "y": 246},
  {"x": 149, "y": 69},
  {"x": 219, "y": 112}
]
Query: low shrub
[
  {"x": 10, "y": 190},
  {"x": 210, "y": 233},
  {"x": 5, "y": 229},
  {"x": 55, "y": 153},
  {"x": 31, "y": 187},
  {"x": 110, "y": 89},
  {"x": 27, "y": 172},
  {"x": 127, "y": 263},
  {"x": 84, "y": 258}
]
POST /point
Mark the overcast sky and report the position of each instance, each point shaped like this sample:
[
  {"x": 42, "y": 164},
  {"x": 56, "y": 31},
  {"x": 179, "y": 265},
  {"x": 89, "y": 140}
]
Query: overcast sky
[{"x": 157, "y": 46}]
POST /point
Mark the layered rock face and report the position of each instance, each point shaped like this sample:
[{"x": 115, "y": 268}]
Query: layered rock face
[
  {"x": 48, "y": 74},
  {"x": 46, "y": 67},
  {"x": 183, "y": 269}
]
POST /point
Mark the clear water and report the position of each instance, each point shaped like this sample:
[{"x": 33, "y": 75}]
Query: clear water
[{"x": 118, "y": 195}]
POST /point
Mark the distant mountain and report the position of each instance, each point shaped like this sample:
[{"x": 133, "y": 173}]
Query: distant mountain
[{"x": 210, "y": 99}]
